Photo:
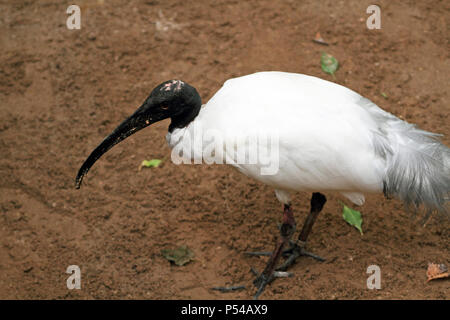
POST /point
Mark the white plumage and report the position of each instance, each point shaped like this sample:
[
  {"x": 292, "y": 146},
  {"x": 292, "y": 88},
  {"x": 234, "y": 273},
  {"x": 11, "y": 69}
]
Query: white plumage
[{"x": 330, "y": 139}]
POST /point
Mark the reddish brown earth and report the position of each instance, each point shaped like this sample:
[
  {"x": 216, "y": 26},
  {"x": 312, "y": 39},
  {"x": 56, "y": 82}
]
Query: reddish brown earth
[{"x": 62, "y": 91}]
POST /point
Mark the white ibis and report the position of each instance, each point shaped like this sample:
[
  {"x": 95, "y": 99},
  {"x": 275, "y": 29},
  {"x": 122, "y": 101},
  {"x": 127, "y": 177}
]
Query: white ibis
[{"x": 329, "y": 138}]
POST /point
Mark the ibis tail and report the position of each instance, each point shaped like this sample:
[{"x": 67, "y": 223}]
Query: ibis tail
[{"x": 417, "y": 163}]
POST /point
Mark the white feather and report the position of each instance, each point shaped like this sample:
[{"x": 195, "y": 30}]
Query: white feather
[{"x": 329, "y": 136}]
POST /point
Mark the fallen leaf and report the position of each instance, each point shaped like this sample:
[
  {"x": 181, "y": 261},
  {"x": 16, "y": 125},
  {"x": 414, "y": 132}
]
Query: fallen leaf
[
  {"x": 150, "y": 163},
  {"x": 318, "y": 39},
  {"x": 180, "y": 256},
  {"x": 352, "y": 217},
  {"x": 437, "y": 271},
  {"x": 329, "y": 63}
]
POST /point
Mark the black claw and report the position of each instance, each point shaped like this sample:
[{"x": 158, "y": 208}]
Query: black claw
[
  {"x": 258, "y": 293},
  {"x": 261, "y": 282},
  {"x": 254, "y": 271},
  {"x": 312, "y": 255}
]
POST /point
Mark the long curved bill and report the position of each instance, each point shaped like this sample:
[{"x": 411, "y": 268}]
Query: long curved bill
[{"x": 137, "y": 121}]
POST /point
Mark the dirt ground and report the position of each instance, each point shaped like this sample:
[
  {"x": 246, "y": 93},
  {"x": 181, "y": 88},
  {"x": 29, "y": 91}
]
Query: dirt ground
[{"x": 62, "y": 91}]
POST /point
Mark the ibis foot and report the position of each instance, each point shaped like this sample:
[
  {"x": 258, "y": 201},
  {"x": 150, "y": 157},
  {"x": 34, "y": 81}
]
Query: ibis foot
[
  {"x": 293, "y": 253},
  {"x": 295, "y": 250},
  {"x": 276, "y": 274}
]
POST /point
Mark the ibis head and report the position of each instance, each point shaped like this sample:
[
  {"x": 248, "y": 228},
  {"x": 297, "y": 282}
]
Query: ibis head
[{"x": 172, "y": 99}]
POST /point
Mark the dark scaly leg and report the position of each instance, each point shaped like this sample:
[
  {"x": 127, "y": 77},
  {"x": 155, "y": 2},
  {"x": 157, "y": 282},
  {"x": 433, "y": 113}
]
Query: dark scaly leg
[
  {"x": 286, "y": 231},
  {"x": 298, "y": 249},
  {"x": 295, "y": 251}
]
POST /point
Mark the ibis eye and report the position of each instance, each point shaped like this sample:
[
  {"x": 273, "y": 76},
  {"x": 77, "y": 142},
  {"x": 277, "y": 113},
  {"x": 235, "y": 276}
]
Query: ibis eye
[{"x": 164, "y": 107}]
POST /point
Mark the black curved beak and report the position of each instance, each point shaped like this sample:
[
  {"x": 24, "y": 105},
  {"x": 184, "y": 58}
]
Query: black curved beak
[{"x": 141, "y": 118}]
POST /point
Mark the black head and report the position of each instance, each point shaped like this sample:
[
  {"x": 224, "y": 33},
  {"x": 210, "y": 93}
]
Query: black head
[{"x": 172, "y": 99}]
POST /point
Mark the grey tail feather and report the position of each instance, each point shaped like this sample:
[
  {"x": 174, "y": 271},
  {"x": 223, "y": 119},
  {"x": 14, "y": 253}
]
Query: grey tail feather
[
  {"x": 417, "y": 174},
  {"x": 418, "y": 169},
  {"x": 418, "y": 164}
]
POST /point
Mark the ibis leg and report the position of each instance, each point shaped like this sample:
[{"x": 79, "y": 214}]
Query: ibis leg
[
  {"x": 286, "y": 231},
  {"x": 298, "y": 249}
]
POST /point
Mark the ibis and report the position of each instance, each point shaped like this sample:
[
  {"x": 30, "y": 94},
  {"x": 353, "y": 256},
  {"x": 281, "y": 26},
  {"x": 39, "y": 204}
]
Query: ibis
[{"x": 320, "y": 137}]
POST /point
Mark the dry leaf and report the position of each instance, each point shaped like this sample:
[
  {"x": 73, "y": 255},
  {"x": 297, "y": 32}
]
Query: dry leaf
[
  {"x": 318, "y": 39},
  {"x": 437, "y": 271},
  {"x": 180, "y": 256}
]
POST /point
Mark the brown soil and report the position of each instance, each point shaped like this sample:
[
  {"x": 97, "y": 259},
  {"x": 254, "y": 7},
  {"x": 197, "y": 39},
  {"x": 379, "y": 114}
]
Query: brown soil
[{"x": 62, "y": 91}]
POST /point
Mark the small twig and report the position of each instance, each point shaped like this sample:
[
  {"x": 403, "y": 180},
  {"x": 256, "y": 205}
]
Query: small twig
[{"x": 228, "y": 289}]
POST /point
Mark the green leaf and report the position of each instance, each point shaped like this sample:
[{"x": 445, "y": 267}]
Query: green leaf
[
  {"x": 352, "y": 217},
  {"x": 180, "y": 256},
  {"x": 151, "y": 163},
  {"x": 329, "y": 63},
  {"x": 384, "y": 95}
]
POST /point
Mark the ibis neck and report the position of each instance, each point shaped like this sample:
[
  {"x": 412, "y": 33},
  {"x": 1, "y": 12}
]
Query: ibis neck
[{"x": 182, "y": 120}]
